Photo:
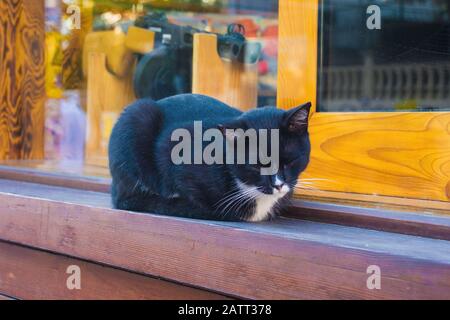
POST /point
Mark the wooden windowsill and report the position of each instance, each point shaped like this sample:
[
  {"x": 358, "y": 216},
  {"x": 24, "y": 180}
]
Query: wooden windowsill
[
  {"x": 286, "y": 258},
  {"x": 432, "y": 224}
]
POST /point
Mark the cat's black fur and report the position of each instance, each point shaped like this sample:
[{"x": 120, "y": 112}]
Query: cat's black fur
[{"x": 146, "y": 180}]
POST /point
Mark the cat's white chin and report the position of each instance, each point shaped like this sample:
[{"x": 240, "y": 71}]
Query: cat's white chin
[{"x": 265, "y": 203}]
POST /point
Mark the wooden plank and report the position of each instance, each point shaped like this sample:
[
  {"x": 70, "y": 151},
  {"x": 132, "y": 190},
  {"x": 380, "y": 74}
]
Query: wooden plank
[
  {"x": 55, "y": 179},
  {"x": 374, "y": 201},
  {"x": 32, "y": 274},
  {"x": 66, "y": 195},
  {"x": 297, "y": 53},
  {"x": 283, "y": 259},
  {"x": 107, "y": 96},
  {"x": 390, "y": 154},
  {"x": 140, "y": 40},
  {"x": 233, "y": 83},
  {"x": 429, "y": 225},
  {"x": 4, "y": 298},
  {"x": 70, "y": 168},
  {"x": 114, "y": 44},
  {"x": 22, "y": 79}
]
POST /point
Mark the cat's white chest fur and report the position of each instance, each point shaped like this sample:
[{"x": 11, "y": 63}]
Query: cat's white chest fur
[
  {"x": 264, "y": 206},
  {"x": 264, "y": 202}
]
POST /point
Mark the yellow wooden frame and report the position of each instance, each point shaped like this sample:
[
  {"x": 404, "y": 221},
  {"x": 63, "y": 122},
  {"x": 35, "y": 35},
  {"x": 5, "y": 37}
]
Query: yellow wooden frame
[
  {"x": 375, "y": 155},
  {"x": 232, "y": 83}
]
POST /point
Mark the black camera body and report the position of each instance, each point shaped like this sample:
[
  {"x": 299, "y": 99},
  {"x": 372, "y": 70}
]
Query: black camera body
[{"x": 167, "y": 70}]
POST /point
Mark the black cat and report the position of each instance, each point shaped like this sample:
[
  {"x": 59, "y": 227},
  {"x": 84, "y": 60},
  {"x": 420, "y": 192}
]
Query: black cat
[{"x": 145, "y": 178}]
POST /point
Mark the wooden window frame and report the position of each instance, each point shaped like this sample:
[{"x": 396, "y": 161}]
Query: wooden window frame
[{"x": 419, "y": 139}]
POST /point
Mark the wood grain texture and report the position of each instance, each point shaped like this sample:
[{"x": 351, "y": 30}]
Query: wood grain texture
[
  {"x": 22, "y": 79},
  {"x": 404, "y": 155},
  {"x": 114, "y": 44},
  {"x": 429, "y": 225},
  {"x": 107, "y": 96},
  {"x": 391, "y": 154},
  {"x": 374, "y": 201},
  {"x": 411, "y": 220},
  {"x": 297, "y": 52},
  {"x": 432, "y": 225},
  {"x": 233, "y": 83},
  {"x": 69, "y": 168},
  {"x": 285, "y": 259},
  {"x": 29, "y": 274},
  {"x": 51, "y": 176},
  {"x": 140, "y": 40}
]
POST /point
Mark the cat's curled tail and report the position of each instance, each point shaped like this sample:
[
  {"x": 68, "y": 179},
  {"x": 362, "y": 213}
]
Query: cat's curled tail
[{"x": 131, "y": 154}]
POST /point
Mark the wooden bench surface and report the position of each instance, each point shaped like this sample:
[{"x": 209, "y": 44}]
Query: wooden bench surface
[
  {"x": 287, "y": 258},
  {"x": 35, "y": 274}
]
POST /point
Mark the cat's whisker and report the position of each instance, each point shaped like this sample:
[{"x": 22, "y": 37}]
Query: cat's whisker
[
  {"x": 225, "y": 198},
  {"x": 310, "y": 182},
  {"x": 228, "y": 196},
  {"x": 234, "y": 199},
  {"x": 248, "y": 201},
  {"x": 245, "y": 195},
  {"x": 230, "y": 201},
  {"x": 305, "y": 182},
  {"x": 305, "y": 187},
  {"x": 136, "y": 185},
  {"x": 245, "y": 202},
  {"x": 252, "y": 195},
  {"x": 240, "y": 200}
]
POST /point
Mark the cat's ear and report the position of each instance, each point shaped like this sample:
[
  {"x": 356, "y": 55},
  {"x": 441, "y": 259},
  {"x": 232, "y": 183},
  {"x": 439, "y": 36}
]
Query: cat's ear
[{"x": 296, "y": 120}]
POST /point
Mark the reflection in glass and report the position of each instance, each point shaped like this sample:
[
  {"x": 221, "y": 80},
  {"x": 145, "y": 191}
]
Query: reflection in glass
[
  {"x": 394, "y": 56},
  {"x": 80, "y": 113}
]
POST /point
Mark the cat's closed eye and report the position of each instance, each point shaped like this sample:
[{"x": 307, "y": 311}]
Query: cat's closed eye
[
  {"x": 291, "y": 163},
  {"x": 256, "y": 168}
]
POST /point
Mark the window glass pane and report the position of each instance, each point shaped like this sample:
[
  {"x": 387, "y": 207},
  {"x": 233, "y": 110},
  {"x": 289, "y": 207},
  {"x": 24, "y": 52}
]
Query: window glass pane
[
  {"x": 391, "y": 55},
  {"x": 95, "y": 66}
]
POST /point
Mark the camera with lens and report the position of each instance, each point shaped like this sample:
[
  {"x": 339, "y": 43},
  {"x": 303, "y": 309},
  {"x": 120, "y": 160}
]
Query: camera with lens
[{"x": 167, "y": 70}]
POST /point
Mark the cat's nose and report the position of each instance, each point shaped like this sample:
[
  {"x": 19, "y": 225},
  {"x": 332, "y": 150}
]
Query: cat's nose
[{"x": 279, "y": 186}]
